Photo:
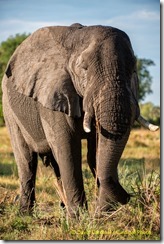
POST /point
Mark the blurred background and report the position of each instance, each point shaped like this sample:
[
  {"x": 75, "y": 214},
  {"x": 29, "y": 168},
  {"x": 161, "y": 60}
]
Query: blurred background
[{"x": 139, "y": 19}]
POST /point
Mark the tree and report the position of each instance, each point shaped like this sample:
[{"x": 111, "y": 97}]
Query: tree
[
  {"x": 150, "y": 112},
  {"x": 145, "y": 79},
  {"x": 6, "y": 50}
]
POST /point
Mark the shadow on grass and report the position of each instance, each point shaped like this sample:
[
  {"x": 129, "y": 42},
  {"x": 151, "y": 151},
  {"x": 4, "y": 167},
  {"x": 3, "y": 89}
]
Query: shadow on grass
[{"x": 7, "y": 165}]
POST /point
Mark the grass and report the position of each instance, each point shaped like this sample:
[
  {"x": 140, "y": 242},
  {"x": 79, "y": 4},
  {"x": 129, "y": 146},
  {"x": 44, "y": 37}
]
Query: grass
[{"x": 139, "y": 173}]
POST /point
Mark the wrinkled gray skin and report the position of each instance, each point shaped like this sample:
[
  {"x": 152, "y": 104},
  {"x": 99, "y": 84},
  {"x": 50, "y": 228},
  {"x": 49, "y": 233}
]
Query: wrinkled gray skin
[{"x": 55, "y": 76}]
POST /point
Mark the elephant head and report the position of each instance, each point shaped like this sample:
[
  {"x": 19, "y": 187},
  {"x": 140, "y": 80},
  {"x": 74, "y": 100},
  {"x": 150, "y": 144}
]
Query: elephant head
[{"x": 57, "y": 65}]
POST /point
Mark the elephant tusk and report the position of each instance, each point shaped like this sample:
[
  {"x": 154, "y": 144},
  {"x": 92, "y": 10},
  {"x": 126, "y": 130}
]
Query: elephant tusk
[
  {"x": 147, "y": 124},
  {"x": 87, "y": 122}
]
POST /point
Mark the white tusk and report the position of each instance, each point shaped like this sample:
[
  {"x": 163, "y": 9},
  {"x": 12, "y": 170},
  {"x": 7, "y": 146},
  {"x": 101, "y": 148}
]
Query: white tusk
[
  {"x": 146, "y": 124},
  {"x": 87, "y": 122}
]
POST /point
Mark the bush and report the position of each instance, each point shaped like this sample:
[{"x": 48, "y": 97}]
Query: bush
[{"x": 150, "y": 112}]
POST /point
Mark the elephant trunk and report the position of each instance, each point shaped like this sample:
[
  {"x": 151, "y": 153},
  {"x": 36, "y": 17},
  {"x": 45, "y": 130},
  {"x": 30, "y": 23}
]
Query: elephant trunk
[
  {"x": 113, "y": 116},
  {"x": 108, "y": 156}
]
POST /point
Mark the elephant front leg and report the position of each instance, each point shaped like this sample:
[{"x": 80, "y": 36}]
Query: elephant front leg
[
  {"x": 69, "y": 158},
  {"x": 91, "y": 154},
  {"x": 65, "y": 143}
]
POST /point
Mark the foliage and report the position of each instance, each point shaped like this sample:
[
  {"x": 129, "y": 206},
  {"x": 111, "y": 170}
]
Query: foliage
[
  {"x": 145, "y": 79},
  {"x": 138, "y": 220},
  {"x": 151, "y": 112},
  {"x": 6, "y": 50}
]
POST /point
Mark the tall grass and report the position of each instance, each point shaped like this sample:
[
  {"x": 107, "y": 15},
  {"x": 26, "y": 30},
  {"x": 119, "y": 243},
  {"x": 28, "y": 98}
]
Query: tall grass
[{"x": 139, "y": 173}]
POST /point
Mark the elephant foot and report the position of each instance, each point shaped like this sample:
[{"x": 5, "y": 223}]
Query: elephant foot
[{"x": 111, "y": 193}]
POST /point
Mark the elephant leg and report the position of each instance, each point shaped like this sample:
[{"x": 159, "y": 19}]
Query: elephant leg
[
  {"x": 26, "y": 161},
  {"x": 91, "y": 154},
  {"x": 65, "y": 143},
  {"x": 27, "y": 181},
  {"x": 69, "y": 158},
  {"x": 71, "y": 174}
]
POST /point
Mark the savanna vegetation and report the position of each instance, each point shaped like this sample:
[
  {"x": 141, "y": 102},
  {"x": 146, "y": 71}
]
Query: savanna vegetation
[{"x": 139, "y": 173}]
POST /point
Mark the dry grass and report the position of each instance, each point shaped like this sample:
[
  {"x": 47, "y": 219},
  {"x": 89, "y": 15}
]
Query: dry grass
[{"x": 139, "y": 173}]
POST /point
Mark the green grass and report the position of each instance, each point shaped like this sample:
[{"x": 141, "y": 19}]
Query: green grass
[{"x": 139, "y": 173}]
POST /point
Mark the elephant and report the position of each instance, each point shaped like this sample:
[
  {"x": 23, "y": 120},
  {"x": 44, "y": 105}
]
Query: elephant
[{"x": 64, "y": 84}]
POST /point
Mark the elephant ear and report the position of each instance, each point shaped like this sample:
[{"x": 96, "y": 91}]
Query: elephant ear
[{"x": 37, "y": 70}]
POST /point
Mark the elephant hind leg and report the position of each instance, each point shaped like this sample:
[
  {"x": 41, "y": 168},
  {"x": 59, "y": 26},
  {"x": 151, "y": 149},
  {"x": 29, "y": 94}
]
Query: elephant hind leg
[{"x": 26, "y": 161}]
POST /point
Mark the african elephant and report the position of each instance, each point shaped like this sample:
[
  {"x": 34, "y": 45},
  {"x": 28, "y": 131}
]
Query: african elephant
[{"x": 63, "y": 84}]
